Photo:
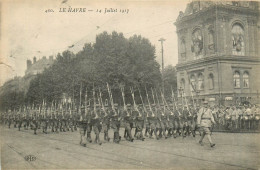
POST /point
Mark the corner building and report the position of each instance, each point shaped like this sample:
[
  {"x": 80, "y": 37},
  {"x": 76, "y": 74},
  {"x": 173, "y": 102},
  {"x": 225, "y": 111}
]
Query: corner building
[{"x": 218, "y": 52}]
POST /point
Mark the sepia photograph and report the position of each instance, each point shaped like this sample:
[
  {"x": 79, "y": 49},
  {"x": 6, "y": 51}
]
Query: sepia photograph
[{"x": 128, "y": 84}]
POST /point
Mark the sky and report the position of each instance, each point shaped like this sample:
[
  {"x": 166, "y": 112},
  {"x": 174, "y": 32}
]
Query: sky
[{"x": 27, "y": 30}]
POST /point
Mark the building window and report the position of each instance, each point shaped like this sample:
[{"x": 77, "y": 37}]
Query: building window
[
  {"x": 238, "y": 39},
  {"x": 246, "y": 80},
  {"x": 236, "y": 79},
  {"x": 183, "y": 49},
  {"x": 211, "y": 81},
  {"x": 197, "y": 43},
  {"x": 200, "y": 82},
  {"x": 211, "y": 41},
  {"x": 192, "y": 83}
]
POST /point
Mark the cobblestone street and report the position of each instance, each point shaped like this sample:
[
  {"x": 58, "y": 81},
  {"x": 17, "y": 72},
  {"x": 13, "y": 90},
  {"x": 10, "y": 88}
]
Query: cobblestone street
[{"x": 62, "y": 150}]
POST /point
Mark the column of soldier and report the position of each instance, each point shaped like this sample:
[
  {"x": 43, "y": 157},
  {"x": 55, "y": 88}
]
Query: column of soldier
[{"x": 159, "y": 120}]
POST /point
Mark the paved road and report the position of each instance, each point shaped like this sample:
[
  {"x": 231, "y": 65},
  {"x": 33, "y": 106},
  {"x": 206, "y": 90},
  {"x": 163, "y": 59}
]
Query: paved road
[{"x": 62, "y": 150}]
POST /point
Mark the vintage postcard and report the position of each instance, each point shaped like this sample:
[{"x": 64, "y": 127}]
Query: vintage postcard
[{"x": 122, "y": 84}]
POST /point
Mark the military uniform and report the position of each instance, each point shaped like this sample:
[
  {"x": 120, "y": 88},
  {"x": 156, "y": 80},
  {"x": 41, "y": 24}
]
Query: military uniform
[
  {"x": 105, "y": 118},
  {"x": 205, "y": 120},
  {"x": 97, "y": 124},
  {"x": 147, "y": 123},
  {"x": 115, "y": 123},
  {"x": 127, "y": 117},
  {"x": 139, "y": 123},
  {"x": 153, "y": 122},
  {"x": 82, "y": 122}
]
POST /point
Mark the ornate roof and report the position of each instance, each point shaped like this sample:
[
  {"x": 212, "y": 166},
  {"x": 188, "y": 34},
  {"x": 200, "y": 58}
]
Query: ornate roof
[{"x": 197, "y": 6}]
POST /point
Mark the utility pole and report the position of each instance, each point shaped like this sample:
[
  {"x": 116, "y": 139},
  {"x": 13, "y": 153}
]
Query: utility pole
[{"x": 162, "y": 40}]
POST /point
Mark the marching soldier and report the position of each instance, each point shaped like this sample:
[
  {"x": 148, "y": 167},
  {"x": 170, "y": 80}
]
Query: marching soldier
[
  {"x": 153, "y": 122},
  {"x": 127, "y": 114},
  {"x": 205, "y": 120},
  {"x": 163, "y": 121},
  {"x": 89, "y": 124},
  {"x": 139, "y": 122},
  {"x": 171, "y": 120},
  {"x": 97, "y": 124},
  {"x": 147, "y": 123},
  {"x": 177, "y": 118},
  {"x": 115, "y": 121},
  {"x": 105, "y": 122},
  {"x": 82, "y": 122},
  {"x": 34, "y": 122}
]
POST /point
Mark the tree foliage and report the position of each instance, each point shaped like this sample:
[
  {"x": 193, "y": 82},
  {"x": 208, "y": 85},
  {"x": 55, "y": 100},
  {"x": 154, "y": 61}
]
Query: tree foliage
[{"x": 112, "y": 59}]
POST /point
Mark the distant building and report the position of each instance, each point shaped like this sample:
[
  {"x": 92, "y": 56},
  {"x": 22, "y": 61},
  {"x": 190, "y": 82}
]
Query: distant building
[
  {"x": 219, "y": 52},
  {"x": 36, "y": 67}
]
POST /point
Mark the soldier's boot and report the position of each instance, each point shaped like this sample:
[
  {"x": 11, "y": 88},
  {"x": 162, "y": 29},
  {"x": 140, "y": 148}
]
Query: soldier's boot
[
  {"x": 125, "y": 134},
  {"x": 35, "y": 131},
  {"x": 105, "y": 136},
  {"x": 151, "y": 134},
  {"x": 201, "y": 138},
  {"x": 160, "y": 132},
  {"x": 52, "y": 129},
  {"x": 145, "y": 132},
  {"x": 98, "y": 139},
  {"x": 193, "y": 133},
  {"x": 129, "y": 134},
  {"x": 142, "y": 136},
  {"x": 183, "y": 133},
  {"x": 175, "y": 133},
  {"x": 164, "y": 133},
  {"x": 155, "y": 133},
  {"x": 135, "y": 132},
  {"x": 89, "y": 137}
]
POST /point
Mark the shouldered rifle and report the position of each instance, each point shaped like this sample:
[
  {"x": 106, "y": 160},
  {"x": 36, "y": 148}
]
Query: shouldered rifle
[{"x": 149, "y": 102}]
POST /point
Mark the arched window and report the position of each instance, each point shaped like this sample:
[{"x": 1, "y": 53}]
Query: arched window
[
  {"x": 246, "y": 80},
  {"x": 182, "y": 85},
  {"x": 183, "y": 49},
  {"x": 197, "y": 43},
  {"x": 238, "y": 44},
  {"x": 211, "y": 40},
  {"x": 200, "y": 82},
  {"x": 193, "y": 82},
  {"x": 211, "y": 81},
  {"x": 236, "y": 79}
]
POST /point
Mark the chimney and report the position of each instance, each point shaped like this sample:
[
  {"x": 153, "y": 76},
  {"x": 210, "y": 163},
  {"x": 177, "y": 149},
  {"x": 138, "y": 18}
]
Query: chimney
[
  {"x": 34, "y": 60},
  {"x": 29, "y": 64}
]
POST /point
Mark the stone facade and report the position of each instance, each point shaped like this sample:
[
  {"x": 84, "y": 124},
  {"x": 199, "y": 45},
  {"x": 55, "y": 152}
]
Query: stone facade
[{"x": 219, "y": 48}]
